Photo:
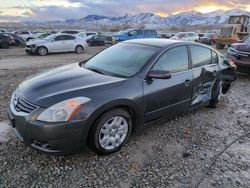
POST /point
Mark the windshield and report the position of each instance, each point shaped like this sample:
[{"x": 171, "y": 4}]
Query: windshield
[
  {"x": 247, "y": 41},
  {"x": 208, "y": 35},
  {"x": 122, "y": 60},
  {"x": 50, "y": 37}
]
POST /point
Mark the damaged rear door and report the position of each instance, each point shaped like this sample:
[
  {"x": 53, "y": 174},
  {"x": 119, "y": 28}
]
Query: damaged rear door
[{"x": 205, "y": 70}]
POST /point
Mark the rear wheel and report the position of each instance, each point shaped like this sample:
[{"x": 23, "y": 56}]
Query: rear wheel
[
  {"x": 110, "y": 132},
  {"x": 216, "y": 94},
  {"x": 79, "y": 49},
  {"x": 42, "y": 51},
  {"x": 219, "y": 45}
]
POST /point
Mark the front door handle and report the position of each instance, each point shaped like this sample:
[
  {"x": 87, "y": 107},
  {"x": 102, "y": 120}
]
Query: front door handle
[{"x": 187, "y": 82}]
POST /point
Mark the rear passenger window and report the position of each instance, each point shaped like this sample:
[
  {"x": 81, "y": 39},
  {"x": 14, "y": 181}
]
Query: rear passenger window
[
  {"x": 174, "y": 60},
  {"x": 59, "y": 38},
  {"x": 200, "y": 56}
]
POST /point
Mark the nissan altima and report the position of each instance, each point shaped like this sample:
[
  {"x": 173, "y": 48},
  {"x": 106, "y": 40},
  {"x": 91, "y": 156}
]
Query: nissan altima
[{"x": 98, "y": 102}]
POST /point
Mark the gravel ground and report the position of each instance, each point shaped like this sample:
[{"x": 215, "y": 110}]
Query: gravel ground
[{"x": 170, "y": 154}]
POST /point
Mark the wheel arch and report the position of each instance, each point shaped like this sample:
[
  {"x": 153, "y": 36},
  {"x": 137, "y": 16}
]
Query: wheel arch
[{"x": 129, "y": 106}]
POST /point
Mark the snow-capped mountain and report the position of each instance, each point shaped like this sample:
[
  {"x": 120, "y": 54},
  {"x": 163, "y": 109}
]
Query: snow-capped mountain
[{"x": 152, "y": 20}]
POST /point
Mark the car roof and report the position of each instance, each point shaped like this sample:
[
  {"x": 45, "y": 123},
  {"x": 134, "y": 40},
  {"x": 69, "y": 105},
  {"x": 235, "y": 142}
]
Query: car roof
[{"x": 156, "y": 42}]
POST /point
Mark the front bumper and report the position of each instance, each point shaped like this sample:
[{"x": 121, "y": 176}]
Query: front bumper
[
  {"x": 31, "y": 50},
  {"x": 60, "y": 138},
  {"x": 242, "y": 66}
]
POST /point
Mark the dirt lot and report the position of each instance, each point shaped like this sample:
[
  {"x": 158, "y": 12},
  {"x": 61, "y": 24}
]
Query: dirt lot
[{"x": 172, "y": 154}]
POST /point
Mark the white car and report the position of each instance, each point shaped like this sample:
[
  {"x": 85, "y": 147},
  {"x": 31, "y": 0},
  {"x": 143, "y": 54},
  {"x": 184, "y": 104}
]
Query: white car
[
  {"x": 56, "y": 43},
  {"x": 186, "y": 36}
]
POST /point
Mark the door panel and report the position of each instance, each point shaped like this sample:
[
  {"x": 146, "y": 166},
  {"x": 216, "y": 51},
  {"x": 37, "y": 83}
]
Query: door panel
[
  {"x": 165, "y": 98},
  {"x": 205, "y": 72},
  {"x": 55, "y": 46}
]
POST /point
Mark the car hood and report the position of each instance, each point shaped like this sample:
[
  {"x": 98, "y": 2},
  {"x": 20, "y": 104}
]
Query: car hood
[
  {"x": 48, "y": 88},
  {"x": 241, "y": 47},
  {"x": 36, "y": 42}
]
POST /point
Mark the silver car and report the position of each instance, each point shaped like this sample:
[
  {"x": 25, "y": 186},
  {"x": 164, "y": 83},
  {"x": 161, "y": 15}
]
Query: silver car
[{"x": 56, "y": 43}]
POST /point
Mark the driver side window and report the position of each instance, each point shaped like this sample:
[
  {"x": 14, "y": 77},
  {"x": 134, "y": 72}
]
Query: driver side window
[
  {"x": 174, "y": 60},
  {"x": 59, "y": 38}
]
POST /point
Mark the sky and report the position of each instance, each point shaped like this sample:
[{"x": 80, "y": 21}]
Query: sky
[{"x": 48, "y": 10}]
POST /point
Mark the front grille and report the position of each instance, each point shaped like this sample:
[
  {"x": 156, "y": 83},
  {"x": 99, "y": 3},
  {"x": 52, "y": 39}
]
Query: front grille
[{"x": 22, "y": 105}]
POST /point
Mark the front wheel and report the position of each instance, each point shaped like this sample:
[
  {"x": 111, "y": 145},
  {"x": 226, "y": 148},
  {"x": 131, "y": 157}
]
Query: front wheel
[
  {"x": 216, "y": 94},
  {"x": 42, "y": 51},
  {"x": 110, "y": 132}
]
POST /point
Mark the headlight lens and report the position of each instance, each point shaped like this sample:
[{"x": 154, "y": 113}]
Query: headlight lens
[
  {"x": 63, "y": 111},
  {"x": 232, "y": 51}
]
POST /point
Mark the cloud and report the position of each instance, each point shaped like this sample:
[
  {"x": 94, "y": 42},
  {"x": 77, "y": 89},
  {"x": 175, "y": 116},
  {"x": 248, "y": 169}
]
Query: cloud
[{"x": 68, "y": 9}]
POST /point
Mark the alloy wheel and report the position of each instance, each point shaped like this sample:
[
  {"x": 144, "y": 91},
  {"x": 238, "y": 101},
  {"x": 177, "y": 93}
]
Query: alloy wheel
[
  {"x": 42, "y": 51},
  {"x": 113, "y": 132}
]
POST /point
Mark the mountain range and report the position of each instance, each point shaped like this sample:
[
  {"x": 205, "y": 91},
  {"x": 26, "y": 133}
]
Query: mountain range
[{"x": 152, "y": 20}]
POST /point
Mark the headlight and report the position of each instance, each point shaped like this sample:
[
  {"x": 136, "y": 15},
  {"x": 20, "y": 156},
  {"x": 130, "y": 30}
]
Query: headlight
[
  {"x": 232, "y": 51},
  {"x": 63, "y": 111}
]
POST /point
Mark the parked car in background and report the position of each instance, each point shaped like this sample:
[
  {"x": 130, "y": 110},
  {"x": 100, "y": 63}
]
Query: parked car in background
[
  {"x": 18, "y": 40},
  {"x": 100, "y": 101},
  {"x": 135, "y": 34},
  {"x": 2, "y": 31},
  {"x": 208, "y": 38},
  {"x": 11, "y": 38},
  {"x": 186, "y": 36},
  {"x": 26, "y": 35},
  {"x": 239, "y": 53},
  {"x": 100, "y": 40},
  {"x": 6, "y": 40},
  {"x": 165, "y": 35},
  {"x": 71, "y": 32},
  {"x": 84, "y": 35},
  {"x": 56, "y": 43}
]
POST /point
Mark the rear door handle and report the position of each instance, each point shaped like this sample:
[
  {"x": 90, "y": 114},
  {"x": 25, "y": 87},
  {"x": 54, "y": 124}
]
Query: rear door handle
[{"x": 187, "y": 83}]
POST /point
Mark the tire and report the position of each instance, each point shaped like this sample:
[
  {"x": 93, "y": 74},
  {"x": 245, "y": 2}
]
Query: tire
[
  {"x": 79, "y": 49},
  {"x": 18, "y": 43},
  {"x": 219, "y": 45},
  {"x": 42, "y": 51},
  {"x": 104, "y": 127},
  {"x": 5, "y": 45},
  {"x": 216, "y": 94}
]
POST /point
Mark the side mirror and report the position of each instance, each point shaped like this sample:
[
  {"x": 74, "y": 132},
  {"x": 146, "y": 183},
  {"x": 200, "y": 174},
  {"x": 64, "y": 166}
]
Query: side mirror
[{"x": 158, "y": 74}]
